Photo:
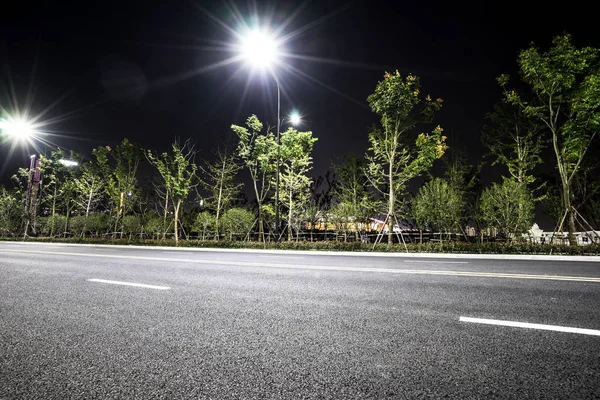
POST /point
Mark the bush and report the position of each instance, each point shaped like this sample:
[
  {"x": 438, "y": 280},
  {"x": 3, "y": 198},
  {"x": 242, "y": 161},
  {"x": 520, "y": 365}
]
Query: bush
[
  {"x": 154, "y": 226},
  {"x": 97, "y": 223},
  {"x": 204, "y": 225},
  {"x": 446, "y": 247},
  {"x": 132, "y": 224},
  {"x": 53, "y": 225},
  {"x": 237, "y": 222},
  {"x": 77, "y": 225}
]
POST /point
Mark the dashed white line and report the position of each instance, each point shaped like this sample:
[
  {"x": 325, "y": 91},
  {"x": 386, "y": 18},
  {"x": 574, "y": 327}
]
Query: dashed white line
[
  {"x": 527, "y": 325},
  {"x": 130, "y": 284}
]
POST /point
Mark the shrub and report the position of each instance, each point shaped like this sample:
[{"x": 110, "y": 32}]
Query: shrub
[
  {"x": 132, "y": 224},
  {"x": 77, "y": 225},
  {"x": 204, "y": 224},
  {"x": 97, "y": 223},
  {"x": 237, "y": 222}
]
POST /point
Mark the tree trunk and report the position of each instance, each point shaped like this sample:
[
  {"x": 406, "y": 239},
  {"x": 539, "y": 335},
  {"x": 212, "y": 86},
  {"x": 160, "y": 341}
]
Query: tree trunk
[
  {"x": 87, "y": 208},
  {"x": 119, "y": 213},
  {"x": 53, "y": 212},
  {"x": 176, "y": 221},
  {"x": 290, "y": 218},
  {"x": 571, "y": 225},
  {"x": 164, "y": 227},
  {"x": 391, "y": 220},
  {"x": 391, "y": 206},
  {"x": 67, "y": 220},
  {"x": 261, "y": 234},
  {"x": 566, "y": 192}
]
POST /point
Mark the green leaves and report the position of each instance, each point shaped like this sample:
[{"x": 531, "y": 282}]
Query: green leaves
[
  {"x": 514, "y": 140},
  {"x": 508, "y": 207},
  {"x": 396, "y": 156},
  {"x": 177, "y": 169},
  {"x": 565, "y": 98},
  {"x": 439, "y": 205},
  {"x": 296, "y": 162}
]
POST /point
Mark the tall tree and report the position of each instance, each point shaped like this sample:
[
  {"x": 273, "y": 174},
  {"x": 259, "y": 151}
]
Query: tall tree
[
  {"x": 507, "y": 206},
  {"x": 439, "y": 205},
  {"x": 219, "y": 181},
  {"x": 514, "y": 140},
  {"x": 565, "y": 86},
  {"x": 59, "y": 188},
  {"x": 463, "y": 179},
  {"x": 178, "y": 171},
  {"x": 89, "y": 185},
  {"x": 120, "y": 177},
  {"x": 296, "y": 162},
  {"x": 396, "y": 155},
  {"x": 258, "y": 153},
  {"x": 11, "y": 211},
  {"x": 351, "y": 190}
]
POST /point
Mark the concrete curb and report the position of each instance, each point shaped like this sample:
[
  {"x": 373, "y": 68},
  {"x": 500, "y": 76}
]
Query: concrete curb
[{"x": 526, "y": 257}]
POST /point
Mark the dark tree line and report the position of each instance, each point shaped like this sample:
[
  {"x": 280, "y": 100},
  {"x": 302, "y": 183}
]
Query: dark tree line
[{"x": 554, "y": 106}]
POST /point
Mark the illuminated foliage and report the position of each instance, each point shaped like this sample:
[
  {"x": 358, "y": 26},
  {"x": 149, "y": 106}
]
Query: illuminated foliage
[
  {"x": 565, "y": 99},
  {"x": 396, "y": 155}
]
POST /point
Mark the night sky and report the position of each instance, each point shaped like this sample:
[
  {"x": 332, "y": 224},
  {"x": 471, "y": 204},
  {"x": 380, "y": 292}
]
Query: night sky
[{"x": 145, "y": 70}]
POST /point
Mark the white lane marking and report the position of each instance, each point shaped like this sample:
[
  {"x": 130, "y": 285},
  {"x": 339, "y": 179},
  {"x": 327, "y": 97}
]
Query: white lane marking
[
  {"x": 130, "y": 284},
  {"x": 320, "y": 267},
  {"x": 556, "y": 328},
  {"x": 435, "y": 262},
  {"x": 278, "y": 256}
]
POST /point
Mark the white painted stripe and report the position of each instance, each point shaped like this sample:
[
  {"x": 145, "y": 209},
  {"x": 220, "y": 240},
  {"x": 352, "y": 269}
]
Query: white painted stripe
[
  {"x": 130, "y": 284},
  {"x": 278, "y": 256},
  {"x": 402, "y": 254},
  {"x": 435, "y": 262},
  {"x": 318, "y": 267},
  {"x": 556, "y": 328}
]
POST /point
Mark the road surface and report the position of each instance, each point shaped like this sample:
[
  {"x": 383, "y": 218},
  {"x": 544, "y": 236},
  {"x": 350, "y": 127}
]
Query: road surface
[{"x": 127, "y": 323}]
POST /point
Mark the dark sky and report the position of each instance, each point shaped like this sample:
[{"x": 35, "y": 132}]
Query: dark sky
[{"x": 141, "y": 69}]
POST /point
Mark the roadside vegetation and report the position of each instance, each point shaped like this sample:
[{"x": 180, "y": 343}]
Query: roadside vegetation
[{"x": 549, "y": 114}]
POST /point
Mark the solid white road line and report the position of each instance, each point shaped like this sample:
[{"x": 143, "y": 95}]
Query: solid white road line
[
  {"x": 556, "y": 328},
  {"x": 434, "y": 262},
  {"x": 130, "y": 284},
  {"x": 317, "y": 267}
]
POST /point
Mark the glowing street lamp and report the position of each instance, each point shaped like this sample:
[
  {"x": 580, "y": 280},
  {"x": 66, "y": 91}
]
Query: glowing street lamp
[
  {"x": 295, "y": 118},
  {"x": 18, "y": 129},
  {"x": 260, "y": 49},
  {"x": 68, "y": 163}
]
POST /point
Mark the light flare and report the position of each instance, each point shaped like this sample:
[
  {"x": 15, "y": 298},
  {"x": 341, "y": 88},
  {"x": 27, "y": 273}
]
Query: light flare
[{"x": 259, "y": 48}]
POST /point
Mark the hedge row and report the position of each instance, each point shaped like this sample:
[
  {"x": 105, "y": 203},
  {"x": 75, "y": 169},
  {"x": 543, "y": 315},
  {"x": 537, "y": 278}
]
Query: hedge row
[{"x": 449, "y": 247}]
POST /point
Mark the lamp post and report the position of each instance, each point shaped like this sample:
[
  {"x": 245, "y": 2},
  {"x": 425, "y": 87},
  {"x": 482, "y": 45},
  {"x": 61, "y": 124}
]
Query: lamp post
[{"x": 260, "y": 50}]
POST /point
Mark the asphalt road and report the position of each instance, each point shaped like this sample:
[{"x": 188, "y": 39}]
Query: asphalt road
[{"x": 253, "y": 325}]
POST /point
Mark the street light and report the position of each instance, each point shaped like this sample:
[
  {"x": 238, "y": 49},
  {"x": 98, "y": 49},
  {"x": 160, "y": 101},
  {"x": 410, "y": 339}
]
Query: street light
[
  {"x": 68, "y": 163},
  {"x": 295, "y": 118},
  {"x": 18, "y": 128},
  {"x": 260, "y": 49}
]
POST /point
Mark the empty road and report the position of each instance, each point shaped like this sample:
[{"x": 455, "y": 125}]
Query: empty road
[{"x": 98, "y": 322}]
